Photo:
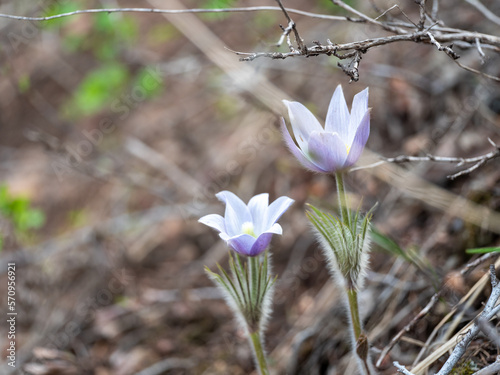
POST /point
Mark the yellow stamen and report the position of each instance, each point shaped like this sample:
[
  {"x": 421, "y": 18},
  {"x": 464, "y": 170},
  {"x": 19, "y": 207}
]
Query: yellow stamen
[{"x": 247, "y": 228}]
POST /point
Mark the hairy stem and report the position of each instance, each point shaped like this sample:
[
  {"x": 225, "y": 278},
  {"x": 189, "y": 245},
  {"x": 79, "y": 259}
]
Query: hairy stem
[
  {"x": 352, "y": 297},
  {"x": 258, "y": 351},
  {"x": 344, "y": 211}
]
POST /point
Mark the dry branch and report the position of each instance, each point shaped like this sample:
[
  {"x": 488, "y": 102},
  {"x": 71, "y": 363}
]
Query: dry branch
[
  {"x": 490, "y": 310},
  {"x": 476, "y": 161}
]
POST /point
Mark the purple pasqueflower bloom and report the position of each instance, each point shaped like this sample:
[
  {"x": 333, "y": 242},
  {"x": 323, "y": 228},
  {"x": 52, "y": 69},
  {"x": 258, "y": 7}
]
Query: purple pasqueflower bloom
[
  {"x": 248, "y": 228},
  {"x": 339, "y": 144}
]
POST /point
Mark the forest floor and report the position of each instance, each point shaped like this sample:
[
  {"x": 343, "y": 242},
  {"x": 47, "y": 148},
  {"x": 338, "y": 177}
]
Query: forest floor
[{"x": 121, "y": 128}]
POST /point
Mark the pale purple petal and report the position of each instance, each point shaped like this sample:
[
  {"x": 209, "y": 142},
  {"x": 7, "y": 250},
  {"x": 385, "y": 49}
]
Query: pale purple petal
[
  {"x": 214, "y": 221},
  {"x": 359, "y": 108},
  {"x": 261, "y": 244},
  {"x": 276, "y": 209},
  {"x": 303, "y": 123},
  {"x": 327, "y": 151},
  {"x": 359, "y": 141},
  {"x": 236, "y": 214},
  {"x": 275, "y": 229},
  {"x": 224, "y": 236},
  {"x": 295, "y": 150},
  {"x": 258, "y": 209},
  {"x": 242, "y": 243},
  {"x": 337, "y": 117}
]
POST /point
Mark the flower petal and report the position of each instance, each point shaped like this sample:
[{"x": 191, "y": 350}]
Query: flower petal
[
  {"x": 261, "y": 244},
  {"x": 242, "y": 243},
  {"x": 297, "y": 152},
  {"x": 303, "y": 123},
  {"x": 358, "y": 111},
  {"x": 275, "y": 229},
  {"x": 224, "y": 236},
  {"x": 236, "y": 213},
  {"x": 214, "y": 221},
  {"x": 327, "y": 151},
  {"x": 258, "y": 209},
  {"x": 275, "y": 210},
  {"x": 337, "y": 118},
  {"x": 359, "y": 141}
]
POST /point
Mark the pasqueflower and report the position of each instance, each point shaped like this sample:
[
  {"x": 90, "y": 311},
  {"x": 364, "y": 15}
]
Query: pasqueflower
[
  {"x": 339, "y": 144},
  {"x": 248, "y": 229}
]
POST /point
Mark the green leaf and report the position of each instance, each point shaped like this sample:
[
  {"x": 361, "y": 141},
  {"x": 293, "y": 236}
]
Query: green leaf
[
  {"x": 388, "y": 244},
  {"x": 149, "y": 82},
  {"x": 23, "y": 83},
  {"x": 410, "y": 255},
  {"x": 161, "y": 33},
  {"x": 483, "y": 250},
  {"x": 97, "y": 89},
  {"x": 18, "y": 210}
]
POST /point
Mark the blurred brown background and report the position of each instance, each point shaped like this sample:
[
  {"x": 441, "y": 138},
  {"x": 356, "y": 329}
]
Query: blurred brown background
[{"x": 117, "y": 130}]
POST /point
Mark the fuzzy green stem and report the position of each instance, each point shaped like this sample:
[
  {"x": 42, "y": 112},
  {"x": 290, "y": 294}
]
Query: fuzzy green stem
[
  {"x": 352, "y": 297},
  {"x": 258, "y": 351},
  {"x": 254, "y": 287},
  {"x": 344, "y": 210}
]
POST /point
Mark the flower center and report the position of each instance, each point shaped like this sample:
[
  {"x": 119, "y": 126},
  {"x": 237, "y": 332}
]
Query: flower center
[{"x": 248, "y": 228}]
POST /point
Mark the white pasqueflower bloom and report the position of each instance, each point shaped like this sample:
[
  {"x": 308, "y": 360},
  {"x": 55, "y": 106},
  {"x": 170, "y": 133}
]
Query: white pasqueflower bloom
[
  {"x": 339, "y": 144},
  {"x": 248, "y": 229}
]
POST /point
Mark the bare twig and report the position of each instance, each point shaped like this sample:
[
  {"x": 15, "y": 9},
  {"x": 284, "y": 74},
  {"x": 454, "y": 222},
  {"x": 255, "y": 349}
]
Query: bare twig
[
  {"x": 477, "y": 262},
  {"x": 421, "y": 4},
  {"x": 363, "y": 16},
  {"x": 476, "y": 161},
  {"x": 485, "y": 11},
  {"x": 428, "y": 307},
  {"x": 179, "y": 11},
  {"x": 286, "y": 34},
  {"x": 292, "y": 27},
  {"x": 445, "y": 49},
  {"x": 435, "y": 9},
  {"x": 477, "y": 71},
  {"x": 408, "y": 327},
  {"x": 480, "y": 51},
  {"x": 402, "y": 369},
  {"x": 492, "y": 369},
  {"x": 403, "y": 31},
  {"x": 352, "y": 68},
  {"x": 489, "y": 331},
  {"x": 396, "y": 6},
  {"x": 490, "y": 310}
]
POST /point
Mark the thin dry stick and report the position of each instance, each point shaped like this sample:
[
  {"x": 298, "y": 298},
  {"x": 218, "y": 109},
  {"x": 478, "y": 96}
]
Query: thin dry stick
[
  {"x": 423, "y": 14},
  {"x": 485, "y": 11},
  {"x": 451, "y": 343},
  {"x": 477, "y": 161},
  {"x": 452, "y": 33},
  {"x": 490, "y": 310},
  {"x": 408, "y": 327},
  {"x": 177, "y": 11},
  {"x": 428, "y": 307},
  {"x": 466, "y": 39},
  {"x": 472, "y": 70},
  {"x": 446, "y": 49},
  {"x": 292, "y": 27},
  {"x": 368, "y": 19},
  {"x": 492, "y": 369}
]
